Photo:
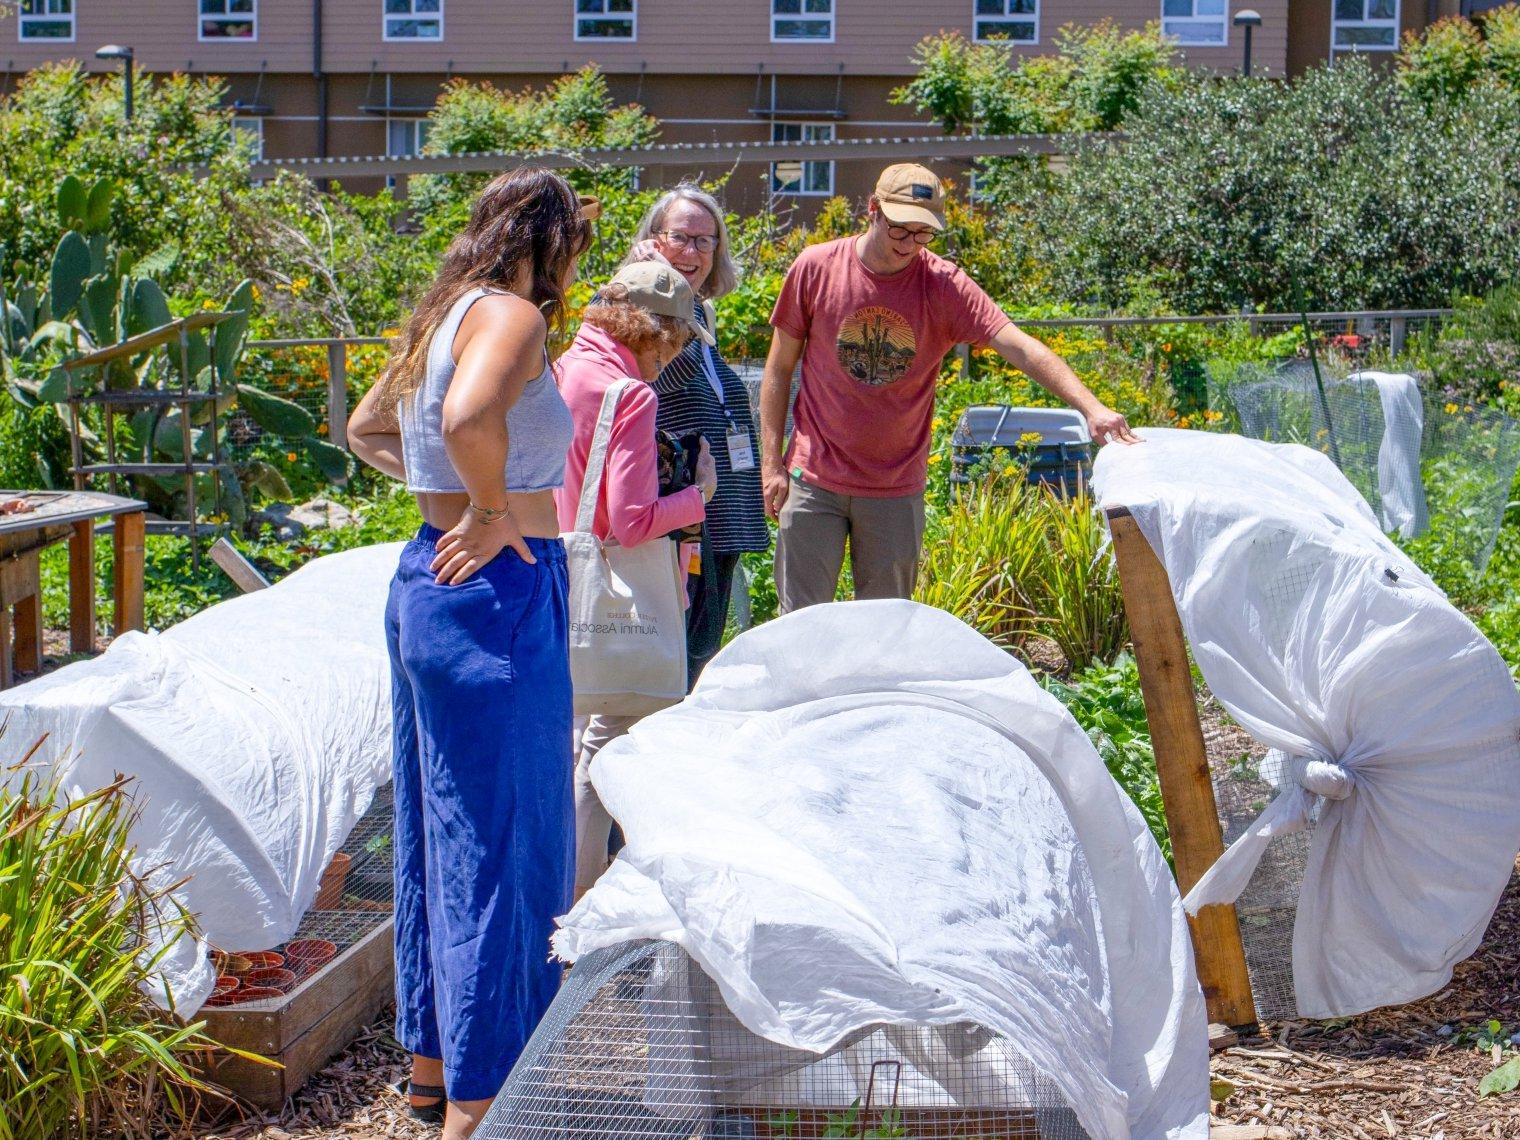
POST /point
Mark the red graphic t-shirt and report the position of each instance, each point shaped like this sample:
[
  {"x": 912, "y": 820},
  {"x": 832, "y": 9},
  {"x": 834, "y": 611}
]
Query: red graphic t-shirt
[{"x": 872, "y": 350}]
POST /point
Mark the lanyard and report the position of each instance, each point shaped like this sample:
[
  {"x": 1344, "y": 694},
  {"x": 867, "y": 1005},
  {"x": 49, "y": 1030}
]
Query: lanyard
[{"x": 711, "y": 368}]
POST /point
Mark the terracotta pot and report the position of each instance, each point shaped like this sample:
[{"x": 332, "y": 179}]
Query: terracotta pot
[
  {"x": 234, "y": 964},
  {"x": 225, "y": 983},
  {"x": 250, "y": 993},
  {"x": 274, "y": 977},
  {"x": 330, "y": 893},
  {"x": 306, "y": 956},
  {"x": 261, "y": 959}
]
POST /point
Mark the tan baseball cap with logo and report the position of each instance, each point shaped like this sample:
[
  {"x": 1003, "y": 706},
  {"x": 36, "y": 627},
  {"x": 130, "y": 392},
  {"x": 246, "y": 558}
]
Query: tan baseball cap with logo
[
  {"x": 660, "y": 289},
  {"x": 910, "y": 194}
]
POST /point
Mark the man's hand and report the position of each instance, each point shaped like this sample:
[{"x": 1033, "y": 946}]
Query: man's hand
[
  {"x": 1108, "y": 426},
  {"x": 647, "y": 250},
  {"x": 775, "y": 486}
]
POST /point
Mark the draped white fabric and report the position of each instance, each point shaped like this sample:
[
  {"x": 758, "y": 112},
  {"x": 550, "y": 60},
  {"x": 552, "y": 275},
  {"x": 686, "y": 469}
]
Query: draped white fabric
[
  {"x": 255, "y": 734},
  {"x": 867, "y": 813},
  {"x": 1397, "y": 723}
]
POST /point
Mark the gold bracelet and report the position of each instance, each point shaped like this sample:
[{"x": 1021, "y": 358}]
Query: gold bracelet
[{"x": 490, "y": 514}]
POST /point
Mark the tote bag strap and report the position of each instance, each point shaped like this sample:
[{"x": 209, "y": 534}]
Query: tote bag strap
[{"x": 596, "y": 461}]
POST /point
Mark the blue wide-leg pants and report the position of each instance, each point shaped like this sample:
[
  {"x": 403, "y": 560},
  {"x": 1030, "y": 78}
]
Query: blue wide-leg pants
[{"x": 484, "y": 830}]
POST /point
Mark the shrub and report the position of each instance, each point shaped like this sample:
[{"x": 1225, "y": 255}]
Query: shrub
[
  {"x": 1476, "y": 353},
  {"x": 1341, "y": 187},
  {"x": 1091, "y": 83},
  {"x": 83, "y": 1051}
]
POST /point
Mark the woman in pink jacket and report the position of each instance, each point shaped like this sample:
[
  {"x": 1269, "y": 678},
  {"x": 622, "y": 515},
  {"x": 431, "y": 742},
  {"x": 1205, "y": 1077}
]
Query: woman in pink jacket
[{"x": 640, "y": 321}]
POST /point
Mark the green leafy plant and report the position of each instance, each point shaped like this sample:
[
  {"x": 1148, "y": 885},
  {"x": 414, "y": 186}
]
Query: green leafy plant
[
  {"x": 83, "y": 1050},
  {"x": 1106, "y": 701}
]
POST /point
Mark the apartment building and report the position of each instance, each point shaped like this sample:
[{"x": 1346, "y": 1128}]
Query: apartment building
[{"x": 357, "y": 77}]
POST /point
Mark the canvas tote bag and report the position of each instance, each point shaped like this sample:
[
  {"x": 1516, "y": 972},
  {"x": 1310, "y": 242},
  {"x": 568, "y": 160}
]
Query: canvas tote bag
[{"x": 627, "y": 617}]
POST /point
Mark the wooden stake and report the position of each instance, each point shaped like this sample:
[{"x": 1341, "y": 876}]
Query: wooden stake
[
  {"x": 244, "y": 574},
  {"x": 1187, "y": 792},
  {"x": 127, "y": 535},
  {"x": 28, "y": 617}
]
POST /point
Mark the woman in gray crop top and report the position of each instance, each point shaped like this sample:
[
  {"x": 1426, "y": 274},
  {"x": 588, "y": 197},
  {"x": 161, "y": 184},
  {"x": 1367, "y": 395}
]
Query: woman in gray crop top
[{"x": 469, "y": 415}]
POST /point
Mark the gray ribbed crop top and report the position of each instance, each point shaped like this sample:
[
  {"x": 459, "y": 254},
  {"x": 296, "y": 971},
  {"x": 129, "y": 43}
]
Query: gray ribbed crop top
[{"x": 539, "y": 427}]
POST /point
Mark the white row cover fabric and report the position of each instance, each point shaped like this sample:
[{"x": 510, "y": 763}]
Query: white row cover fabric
[
  {"x": 867, "y": 813},
  {"x": 1398, "y": 724},
  {"x": 1401, "y": 489},
  {"x": 255, "y": 733}
]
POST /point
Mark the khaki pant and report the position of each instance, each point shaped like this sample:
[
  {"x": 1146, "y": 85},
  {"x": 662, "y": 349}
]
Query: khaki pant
[{"x": 885, "y": 536}]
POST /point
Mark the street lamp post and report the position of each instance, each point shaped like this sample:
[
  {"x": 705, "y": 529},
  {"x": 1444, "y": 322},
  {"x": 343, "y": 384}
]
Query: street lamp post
[
  {"x": 1247, "y": 18},
  {"x": 117, "y": 51}
]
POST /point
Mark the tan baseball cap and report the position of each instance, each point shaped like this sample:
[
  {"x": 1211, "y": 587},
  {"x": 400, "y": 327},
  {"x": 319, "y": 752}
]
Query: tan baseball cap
[
  {"x": 910, "y": 194},
  {"x": 660, "y": 289}
]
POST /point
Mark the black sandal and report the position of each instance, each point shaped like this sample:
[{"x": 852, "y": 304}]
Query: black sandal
[{"x": 427, "y": 1113}]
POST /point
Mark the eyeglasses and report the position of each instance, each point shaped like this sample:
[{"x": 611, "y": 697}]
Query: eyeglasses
[
  {"x": 922, "y": 237},
  {"x": 702, "y": 243}
]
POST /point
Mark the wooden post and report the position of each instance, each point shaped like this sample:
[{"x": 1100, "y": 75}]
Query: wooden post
[
  {"x": 28, "y": 616},
  {"x": 127, "y": 534},
  {"x": 1187, "y": 793},
  {"x": 82, "y": 587},
  {"x": 337, "y": 394}
]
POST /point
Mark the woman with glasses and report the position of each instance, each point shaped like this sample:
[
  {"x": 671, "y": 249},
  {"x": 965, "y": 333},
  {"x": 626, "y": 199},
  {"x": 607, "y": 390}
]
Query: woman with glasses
[{"x": 698, "y": 391}]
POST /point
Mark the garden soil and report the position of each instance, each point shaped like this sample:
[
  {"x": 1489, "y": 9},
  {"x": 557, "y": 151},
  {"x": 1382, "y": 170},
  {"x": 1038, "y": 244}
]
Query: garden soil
[{"x": 1405, "y": 1072}]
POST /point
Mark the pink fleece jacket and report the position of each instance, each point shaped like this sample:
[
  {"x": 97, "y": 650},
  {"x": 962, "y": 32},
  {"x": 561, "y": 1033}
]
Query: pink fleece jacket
[{"x": 628, "y": 508}]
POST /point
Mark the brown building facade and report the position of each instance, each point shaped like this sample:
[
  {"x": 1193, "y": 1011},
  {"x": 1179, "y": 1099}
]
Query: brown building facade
[{"x": 357, "y": 77}]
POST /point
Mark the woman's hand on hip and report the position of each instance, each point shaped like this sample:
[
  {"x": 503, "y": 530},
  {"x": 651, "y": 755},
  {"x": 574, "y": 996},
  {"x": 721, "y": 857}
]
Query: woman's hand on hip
[{"x": 472, "y": 543}]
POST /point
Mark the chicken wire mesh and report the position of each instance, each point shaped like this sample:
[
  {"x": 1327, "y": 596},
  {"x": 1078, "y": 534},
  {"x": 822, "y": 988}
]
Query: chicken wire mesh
[
  {"x": 640, "y": 1044},
  {"x": 354, "y": 899},
  {"x": 1460, "y": 459}
]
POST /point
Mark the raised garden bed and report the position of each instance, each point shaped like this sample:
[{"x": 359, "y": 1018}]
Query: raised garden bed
[{"x": 311, "y": 995}]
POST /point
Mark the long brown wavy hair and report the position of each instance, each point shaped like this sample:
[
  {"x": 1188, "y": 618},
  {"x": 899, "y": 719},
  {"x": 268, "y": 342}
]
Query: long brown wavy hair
[{"x": 527, "y": 217}]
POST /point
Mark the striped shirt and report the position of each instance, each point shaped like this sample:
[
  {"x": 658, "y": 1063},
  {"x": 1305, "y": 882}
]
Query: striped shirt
[{"x": 689, "y": 402}]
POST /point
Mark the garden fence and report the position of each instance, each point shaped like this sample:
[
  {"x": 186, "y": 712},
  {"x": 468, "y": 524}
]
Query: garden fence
[{"x": 315, "y": 371}]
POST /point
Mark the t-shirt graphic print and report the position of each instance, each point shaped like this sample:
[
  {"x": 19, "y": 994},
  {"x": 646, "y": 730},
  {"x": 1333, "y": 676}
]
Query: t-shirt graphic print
[
  {"x": 876, "y": 345},
  {"x": 871, "y": 354}
]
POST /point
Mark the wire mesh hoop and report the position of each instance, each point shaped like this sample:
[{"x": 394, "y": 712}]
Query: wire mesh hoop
[{"x": 640, "y": 1044}]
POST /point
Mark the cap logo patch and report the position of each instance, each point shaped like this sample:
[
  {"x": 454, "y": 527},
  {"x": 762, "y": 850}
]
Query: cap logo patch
[{"x": 919, "y": 190}]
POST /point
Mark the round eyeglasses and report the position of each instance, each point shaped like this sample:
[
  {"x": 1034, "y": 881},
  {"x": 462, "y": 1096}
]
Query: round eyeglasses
[
  {"x": 902, "y": 233},
  {"x": 702, "y": 243}
]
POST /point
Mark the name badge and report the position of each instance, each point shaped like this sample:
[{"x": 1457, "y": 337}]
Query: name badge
[{"x": 741, "y": 456}]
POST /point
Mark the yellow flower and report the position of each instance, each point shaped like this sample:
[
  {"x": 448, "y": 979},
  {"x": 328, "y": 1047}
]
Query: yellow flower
[
  {"x": 1009, "y": 470},
  {"x": 1213, "y": 417},
  {"x": 290, "y": 456},
  {"x": 935, "y": 458},
  {"x": 1451, "y": 409},
  {"x": 1184, "y": 422},
  {"x": 208, "y": 303},
  {"x": 1030, "y": 439}
]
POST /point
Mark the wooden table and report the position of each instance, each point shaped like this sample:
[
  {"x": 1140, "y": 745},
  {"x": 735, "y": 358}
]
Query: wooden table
[{"x": 61, "y": 515}]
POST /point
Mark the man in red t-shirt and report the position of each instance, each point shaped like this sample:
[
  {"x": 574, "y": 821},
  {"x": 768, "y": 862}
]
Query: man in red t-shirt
[{"x": 871, "y": 317}]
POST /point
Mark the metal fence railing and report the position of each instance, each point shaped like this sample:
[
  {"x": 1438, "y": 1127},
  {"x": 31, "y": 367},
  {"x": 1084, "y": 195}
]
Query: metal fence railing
[{"x": 1357, "y": 331}]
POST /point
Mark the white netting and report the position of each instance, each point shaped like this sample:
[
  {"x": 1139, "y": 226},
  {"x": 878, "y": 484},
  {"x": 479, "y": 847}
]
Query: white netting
[{"x": 1427, "y": 466}]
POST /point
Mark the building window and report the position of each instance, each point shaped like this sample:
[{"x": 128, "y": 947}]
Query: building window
[
  {"x": 229, "y": 19},
  {"x": 606, "y": 19},
  {"x": 405, "y": 138},
  {"x": 249, "y": 130},
  {"x": 802, "y": 177},
  {"x": 1015, "y": 20},
  {"x": 1198, "y": 22},
  {"x": 1365, "y": 25},
  {"x": 414, "y": 19},
  {"x": 47, "y": 20},
  {"x": 802, "y": 20}
]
